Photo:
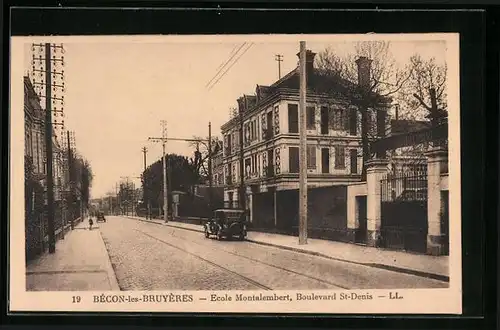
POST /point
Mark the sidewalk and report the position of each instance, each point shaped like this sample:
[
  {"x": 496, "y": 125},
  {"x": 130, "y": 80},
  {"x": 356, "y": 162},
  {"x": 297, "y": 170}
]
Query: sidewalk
[
  {"x": 399, "y": 261},
  {"x": 80, "y": 263}
]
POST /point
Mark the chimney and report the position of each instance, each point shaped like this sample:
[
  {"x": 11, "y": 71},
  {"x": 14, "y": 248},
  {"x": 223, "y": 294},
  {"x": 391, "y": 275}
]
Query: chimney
[
  {"x": 396, "y": 111},
  {"x": 364, "y": 67},
  {"x": 309, "y": 61},
  {"x": 241, "y": 104}
]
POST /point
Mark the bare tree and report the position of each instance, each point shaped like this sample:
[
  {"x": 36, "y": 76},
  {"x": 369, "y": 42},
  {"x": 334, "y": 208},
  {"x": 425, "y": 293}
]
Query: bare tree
[
  {"x": 201, "y": 153},
  {"x": 426, "y": 88},
  {"x": 386, "y": 80},
  {"x": 424, "y": 93}
]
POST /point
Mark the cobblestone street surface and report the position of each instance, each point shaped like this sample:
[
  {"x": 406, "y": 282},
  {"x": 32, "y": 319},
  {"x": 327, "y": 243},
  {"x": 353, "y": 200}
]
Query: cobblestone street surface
[{"x": 147, "y": 256}]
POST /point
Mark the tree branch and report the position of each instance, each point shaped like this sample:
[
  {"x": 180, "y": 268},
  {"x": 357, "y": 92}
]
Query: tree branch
[{"x": 422, "y": 102}]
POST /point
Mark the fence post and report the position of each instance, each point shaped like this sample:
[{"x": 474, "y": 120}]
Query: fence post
[
  {"x": 375, "y": 171},
  {"x": 436, "y": 157}
]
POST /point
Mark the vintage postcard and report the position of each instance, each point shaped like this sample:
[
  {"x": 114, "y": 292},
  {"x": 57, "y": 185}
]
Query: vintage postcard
[{"x": 239, "y": 173}]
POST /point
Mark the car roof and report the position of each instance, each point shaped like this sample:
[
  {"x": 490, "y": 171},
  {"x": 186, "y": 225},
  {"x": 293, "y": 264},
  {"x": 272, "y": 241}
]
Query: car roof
[{"x": 229, "y": 210}]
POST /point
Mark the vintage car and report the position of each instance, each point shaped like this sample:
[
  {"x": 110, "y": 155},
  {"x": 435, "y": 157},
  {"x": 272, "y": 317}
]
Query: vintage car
[
  {"x": 100, "y": 217},
  {"x": 227, "y": 223}
]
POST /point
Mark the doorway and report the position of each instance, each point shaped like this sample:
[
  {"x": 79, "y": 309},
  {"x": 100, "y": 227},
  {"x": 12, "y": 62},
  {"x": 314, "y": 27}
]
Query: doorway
[{"x": 361, "y": 215}]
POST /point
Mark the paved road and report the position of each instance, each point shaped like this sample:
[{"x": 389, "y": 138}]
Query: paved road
[{"x": 147, "y": 256}]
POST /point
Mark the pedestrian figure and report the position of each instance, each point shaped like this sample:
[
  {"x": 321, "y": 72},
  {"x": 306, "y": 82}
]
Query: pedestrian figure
[{"x": 90, "y": 223}]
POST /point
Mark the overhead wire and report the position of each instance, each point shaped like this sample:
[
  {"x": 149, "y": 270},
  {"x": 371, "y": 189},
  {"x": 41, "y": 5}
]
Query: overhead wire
[
  {"x": 225, "y": 64},
  {"x": 236, "y": 61}
]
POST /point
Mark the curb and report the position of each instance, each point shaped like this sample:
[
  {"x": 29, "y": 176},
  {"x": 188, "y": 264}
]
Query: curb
[
  {"x": 432, "y": 276},
  {"x": 113, "y": 282}
]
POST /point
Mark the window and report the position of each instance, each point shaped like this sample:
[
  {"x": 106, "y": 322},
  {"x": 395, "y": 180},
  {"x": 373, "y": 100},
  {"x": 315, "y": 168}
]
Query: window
[
  {"x": 293, "y": 118},
  {"x": 311, "y": 118},
  {"x": 325, "y": 160},
  {"x": 354, "y": 161},
  {"x": 324, "y": 120},
  {"x": 340, "y": 120},
  {"x": 270, "y": 162},
  {"x": 257, "y": 130},
  {"x": 269, "y": 131},
  {"x": 293, "y": 159},
  {"x": 339, "y": 157},
  {"x": 353, "y": 122},
  {"x": 254, "y": 133},
  {"x": 258, "y": 165},
  {"x": 247, "y": 167},
  {"x": 311, "y": 157}
]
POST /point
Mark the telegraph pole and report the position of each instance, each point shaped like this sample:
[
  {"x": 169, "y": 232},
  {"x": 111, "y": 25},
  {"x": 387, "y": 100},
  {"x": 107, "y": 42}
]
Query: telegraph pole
[
  {"x": 303, "y": 148},
  {"x": 163, "y": 141},
  {"x": 48, "y": 148},
  {"x": 279, "y": 58},
  {"x": 47, "y": 61},
  {"x": 210, "y": 181},
  {"x": 242, "y": 167},
  {"x": 118, "y": 198},
  {"x": 70, "y": 176},
  {"x": 144, "y": 195}
]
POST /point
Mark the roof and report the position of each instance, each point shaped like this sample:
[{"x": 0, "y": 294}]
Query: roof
[
  {"x": 402, "y": 126},
  {"x": 318, "y": 82}
]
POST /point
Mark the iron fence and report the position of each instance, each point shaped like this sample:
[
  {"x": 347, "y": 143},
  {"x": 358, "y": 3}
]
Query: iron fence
[{"x": 404, "y": 186}]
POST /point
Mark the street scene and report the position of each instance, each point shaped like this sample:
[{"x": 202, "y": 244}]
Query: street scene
[{"x": 236, "y": 165}]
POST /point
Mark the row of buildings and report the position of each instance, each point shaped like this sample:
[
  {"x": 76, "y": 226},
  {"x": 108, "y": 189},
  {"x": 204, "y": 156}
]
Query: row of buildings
[
  {"x": 261, "y": 152},
  {"x": 36, "y": 175}
]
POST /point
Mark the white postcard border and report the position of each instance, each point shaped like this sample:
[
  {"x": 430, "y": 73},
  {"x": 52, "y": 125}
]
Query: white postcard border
[{"x": 427, "y": 301}]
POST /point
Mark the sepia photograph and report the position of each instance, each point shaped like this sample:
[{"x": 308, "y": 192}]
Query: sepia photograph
[{"x": 303, "y": 173}]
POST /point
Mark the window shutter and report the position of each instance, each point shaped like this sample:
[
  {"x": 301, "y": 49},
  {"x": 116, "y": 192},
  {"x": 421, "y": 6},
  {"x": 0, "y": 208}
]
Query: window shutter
[
  {"x": 353, "y": 122},
  {"x": 311, "y": 116},
  {"x": 293, "y": 159},
  {"x": 345, "y": 120},
  {"x": 293, "y": 118},
  {"x": 311, "y": 157}
]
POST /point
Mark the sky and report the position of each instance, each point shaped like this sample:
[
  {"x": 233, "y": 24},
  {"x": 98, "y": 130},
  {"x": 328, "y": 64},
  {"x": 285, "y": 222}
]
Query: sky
[{"x": 118, "y": 92}]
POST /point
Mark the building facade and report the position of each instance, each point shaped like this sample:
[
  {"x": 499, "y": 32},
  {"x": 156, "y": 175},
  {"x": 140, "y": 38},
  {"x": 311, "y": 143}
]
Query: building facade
[{"x": 261, "y": 142}]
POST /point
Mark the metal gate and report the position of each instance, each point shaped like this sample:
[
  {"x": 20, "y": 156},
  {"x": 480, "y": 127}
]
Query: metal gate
[{"x": 404, "y": 211}]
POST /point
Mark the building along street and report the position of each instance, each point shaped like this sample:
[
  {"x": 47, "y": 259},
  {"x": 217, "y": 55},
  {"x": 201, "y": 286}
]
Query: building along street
[{"x": 149, "y": 256}]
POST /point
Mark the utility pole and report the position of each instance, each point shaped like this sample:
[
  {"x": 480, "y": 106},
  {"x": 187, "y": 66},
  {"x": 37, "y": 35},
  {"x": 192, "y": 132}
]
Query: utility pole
[
  {"x": 70, "y": 176},
  {"x": 163, "y": 140},
  {"x": 279, "y": 58},
  {"x": 144, "y": 195},
  {"x": 119, "y": 200},
  {"x": 47, "y": 67},
  {"x": 48, "y": 148},
  {"x": 210, "y": 180},
  {"x": 303, "y": 148},
  {"x": 242, "y": 166}
]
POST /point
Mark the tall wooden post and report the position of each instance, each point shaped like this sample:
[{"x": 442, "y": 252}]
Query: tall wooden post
[
  {"x": 71, "y": 183},
  {"x": 48, "y": 142},
  {"x": 210, "y": 180},
  {"x": 303, "y": 148},
  {"x": 242, "y": 199}
]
